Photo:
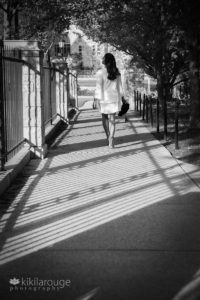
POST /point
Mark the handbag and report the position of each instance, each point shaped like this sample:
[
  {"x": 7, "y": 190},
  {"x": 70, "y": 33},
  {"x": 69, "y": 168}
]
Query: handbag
[{"x": 124, "y": 108}]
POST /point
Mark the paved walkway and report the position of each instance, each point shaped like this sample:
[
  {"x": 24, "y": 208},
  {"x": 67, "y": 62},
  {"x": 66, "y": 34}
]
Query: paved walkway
[{"x": 117, "y": 223}]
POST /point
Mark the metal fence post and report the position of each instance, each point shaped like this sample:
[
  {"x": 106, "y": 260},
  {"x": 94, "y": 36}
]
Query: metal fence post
[
  {"x": 147, "y": 109},
  {"x": 2, "y": 110},
  {"x": 158, "y": 116},
  {"x": 140, "y": 106},
  {"x": 134, "y": 99},
  {"x": 65, "y": 94},
  {"x": 68, "y": 91},
  {"x": 176, "y": 123},
  {"x": 143, "y": 107},
  {"x": 76, "y": 103},
  {"x": 50, "y": 94},
  {"x": 165, "y": 114},
  {"x": 41, "y": 123},
  {"x": 151, "y": 110},
  {"x": 62, "y": 95}
]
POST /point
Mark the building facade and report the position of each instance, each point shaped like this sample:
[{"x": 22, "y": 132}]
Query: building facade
[{"x": 80, "y": 52}]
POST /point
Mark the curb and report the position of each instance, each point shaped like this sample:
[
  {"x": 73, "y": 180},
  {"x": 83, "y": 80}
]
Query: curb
[
  {"x": 13, "y": 168},
  {"x": 192, "y": 171}
]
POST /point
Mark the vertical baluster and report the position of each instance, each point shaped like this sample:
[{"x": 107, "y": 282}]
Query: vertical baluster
[
  {"x": 176, "y": 123},
  {"x": 137, "y": 97},
  {"x": 151, "y": 110},
  {"x": 140, "y": 103},
  {"x": 147, "y": 109},
  {"x": 157, "y": 116},
  {"x": 2, "y": 109},
  {"x": 144, "y": 107}
]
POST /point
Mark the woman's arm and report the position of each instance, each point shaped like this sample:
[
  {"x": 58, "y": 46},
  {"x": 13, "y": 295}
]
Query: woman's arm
[
  {"x": 121, "y": 89},
  {"x": 99, "y": 92}
]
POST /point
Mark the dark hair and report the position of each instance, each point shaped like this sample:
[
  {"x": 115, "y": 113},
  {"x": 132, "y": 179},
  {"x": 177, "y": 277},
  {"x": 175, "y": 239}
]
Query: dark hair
[{"x": 110, "y": 63}]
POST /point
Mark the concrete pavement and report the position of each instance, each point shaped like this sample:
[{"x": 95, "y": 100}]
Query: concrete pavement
[{"x": 89, "y": 222}]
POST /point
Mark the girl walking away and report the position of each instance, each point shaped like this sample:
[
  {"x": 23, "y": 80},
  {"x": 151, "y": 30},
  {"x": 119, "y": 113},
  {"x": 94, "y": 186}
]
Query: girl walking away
[{"x": 109, "y": 94}]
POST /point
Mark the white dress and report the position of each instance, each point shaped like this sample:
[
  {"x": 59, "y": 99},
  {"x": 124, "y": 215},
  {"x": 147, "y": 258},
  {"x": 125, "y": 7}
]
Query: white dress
[{"x": 108, "y": 92}]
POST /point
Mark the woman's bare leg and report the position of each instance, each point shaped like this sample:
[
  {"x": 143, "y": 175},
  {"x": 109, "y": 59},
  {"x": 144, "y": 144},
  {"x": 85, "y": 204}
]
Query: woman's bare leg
[
  {"x": 111, "y": 119},
  {"x": 105, "y": 123}
]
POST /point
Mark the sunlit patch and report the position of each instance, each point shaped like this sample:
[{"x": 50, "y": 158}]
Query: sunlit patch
[
  {"x": 68, "y": 194},
  {"x": 47, "y": 235}
]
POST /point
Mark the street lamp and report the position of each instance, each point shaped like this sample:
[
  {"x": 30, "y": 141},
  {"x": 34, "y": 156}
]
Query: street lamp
[{"x": 61, "y": 47}]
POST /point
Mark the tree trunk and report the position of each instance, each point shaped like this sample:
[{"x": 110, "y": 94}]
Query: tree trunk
[
  {"x": 160, "y": 88},
  {"x": 7, "y": 24},
  {"x": 162, "y": 96},
  {"x": 16, "y": 31}
]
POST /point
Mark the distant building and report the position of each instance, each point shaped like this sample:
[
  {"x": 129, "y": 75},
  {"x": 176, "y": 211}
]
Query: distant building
[{"x": 85, "y": 53}]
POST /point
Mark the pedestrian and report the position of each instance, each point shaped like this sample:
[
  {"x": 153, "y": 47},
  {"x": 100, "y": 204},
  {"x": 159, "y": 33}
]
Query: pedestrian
[{"x": 109, "y": 94}]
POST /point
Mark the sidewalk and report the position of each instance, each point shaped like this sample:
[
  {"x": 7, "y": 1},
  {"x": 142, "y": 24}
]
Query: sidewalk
[{"x": 118, "y": 223}]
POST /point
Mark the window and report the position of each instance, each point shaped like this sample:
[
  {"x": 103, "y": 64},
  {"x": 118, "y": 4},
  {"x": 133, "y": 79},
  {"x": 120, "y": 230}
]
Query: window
[
  {"x": 67, "y": 49},
  {"x": 93, "y": 50},
  {"x": 62, "y": 49},
  {"x": 98, "y": 50},
  {"x": 57, "y": 50},
  {"x": 80, "y": 50}
]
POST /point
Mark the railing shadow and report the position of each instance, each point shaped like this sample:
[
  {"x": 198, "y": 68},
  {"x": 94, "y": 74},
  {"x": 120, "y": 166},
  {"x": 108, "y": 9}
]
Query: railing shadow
[{"x": 60, "y": 198}]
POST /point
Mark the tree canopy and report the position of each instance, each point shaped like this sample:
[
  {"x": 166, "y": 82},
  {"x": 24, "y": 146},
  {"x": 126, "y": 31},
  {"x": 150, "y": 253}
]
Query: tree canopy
[
  {"x": 162, "y": 36},
  {"x": 39, "y": 19}
]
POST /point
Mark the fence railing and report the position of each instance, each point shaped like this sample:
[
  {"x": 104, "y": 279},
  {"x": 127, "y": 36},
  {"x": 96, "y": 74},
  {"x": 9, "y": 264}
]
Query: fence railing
[
  {"x": 12, "y": 137},
  {"x": 150, "y": 111},
  {"x": 73, "y": 89},
  {"x": 32, "y": 96}
]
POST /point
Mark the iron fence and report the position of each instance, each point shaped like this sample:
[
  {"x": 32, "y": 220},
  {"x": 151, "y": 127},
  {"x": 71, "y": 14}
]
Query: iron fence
[
  {"x": 73, "y": 88},
  {"x": 176, "y": 116},
  {"x": 12, "y": 137},
  {"x": 24, "y": 89}
]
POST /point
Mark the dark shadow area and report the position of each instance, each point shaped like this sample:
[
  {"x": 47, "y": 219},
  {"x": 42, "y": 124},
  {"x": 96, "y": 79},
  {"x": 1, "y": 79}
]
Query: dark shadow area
[
  {"x": 192, "y": 158},
  {"x": 119, "y": 140},
  {"x": 61, "y": 128}
]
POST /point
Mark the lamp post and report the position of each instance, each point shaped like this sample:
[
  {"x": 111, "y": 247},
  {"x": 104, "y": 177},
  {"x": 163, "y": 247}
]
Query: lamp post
[
  {"x": 61, "y": 47},
  {"x": 65, "y": 53},
  {"x": 66, "y": 62}
]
